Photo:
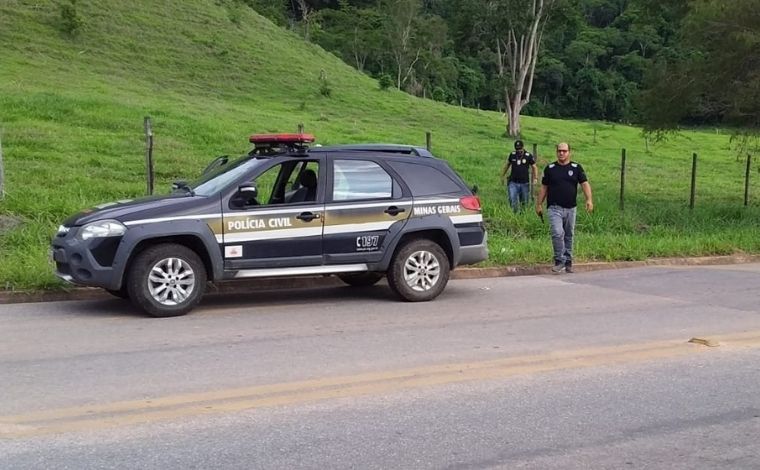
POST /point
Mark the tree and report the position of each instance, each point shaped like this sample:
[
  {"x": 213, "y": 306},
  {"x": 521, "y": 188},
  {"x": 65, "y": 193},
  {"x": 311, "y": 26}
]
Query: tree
[
  {"x": 274, "y": 10},
  {"x": 715, "y": 77},
  {"x": 517, "y": 47},
  {"x": 400, "y": 34},
  {"x": 433, "y": 70},
  {"x": 352, "y": 33},
  {"x": 307, "y": 18}
]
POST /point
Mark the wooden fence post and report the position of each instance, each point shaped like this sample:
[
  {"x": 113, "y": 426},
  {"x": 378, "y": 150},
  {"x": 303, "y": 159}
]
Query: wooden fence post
[
  {"x": 746, "y": 179},
  {"x": 2, "y": 173},
  {"x": 148, "y": 154},
  {"x": 693, "y": 179},
  {"x": 428, "y": 138},
  {"x": 530, "y": 173},
  {"x": 622, "y": 180}
]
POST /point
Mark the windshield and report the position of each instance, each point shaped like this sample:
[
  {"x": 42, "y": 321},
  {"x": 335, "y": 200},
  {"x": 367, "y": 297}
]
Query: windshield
[{"x": 218, "y": 179}]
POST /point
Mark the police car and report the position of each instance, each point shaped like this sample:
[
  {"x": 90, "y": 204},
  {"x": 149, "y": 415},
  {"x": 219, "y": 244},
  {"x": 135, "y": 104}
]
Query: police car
[{"x": 287, "y": 208}]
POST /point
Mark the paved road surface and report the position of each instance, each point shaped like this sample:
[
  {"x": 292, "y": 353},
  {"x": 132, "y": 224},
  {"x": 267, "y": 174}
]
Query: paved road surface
[{"x": 588, "y": 370}]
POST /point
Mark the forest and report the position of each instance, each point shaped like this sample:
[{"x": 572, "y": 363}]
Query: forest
[{"x": 598, "y": 59}]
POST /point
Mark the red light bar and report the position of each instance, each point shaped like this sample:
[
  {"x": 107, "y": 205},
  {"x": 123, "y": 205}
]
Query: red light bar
[{"x": 281, "y": 138}]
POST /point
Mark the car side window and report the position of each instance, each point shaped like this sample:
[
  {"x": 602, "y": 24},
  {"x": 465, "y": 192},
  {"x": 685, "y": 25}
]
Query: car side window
[
  {"x": 286, "y": 183},
  {"x": 360, "y": 179},
  {"x": 301, "y": 186},
  {"x": 265, "y": 184}
]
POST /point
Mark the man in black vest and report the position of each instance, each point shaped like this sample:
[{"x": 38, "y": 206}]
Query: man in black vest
[
  {"x": 518, "y": 187},
  {"x": 559, "y": 186}
]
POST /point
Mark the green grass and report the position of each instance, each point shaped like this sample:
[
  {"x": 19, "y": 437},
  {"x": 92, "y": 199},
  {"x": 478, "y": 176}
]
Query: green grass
[{"x": 209, "y": 74}]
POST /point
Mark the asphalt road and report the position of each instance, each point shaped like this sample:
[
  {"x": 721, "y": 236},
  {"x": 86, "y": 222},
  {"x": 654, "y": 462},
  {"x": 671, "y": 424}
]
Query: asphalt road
[{"x": 589, "y": 370}]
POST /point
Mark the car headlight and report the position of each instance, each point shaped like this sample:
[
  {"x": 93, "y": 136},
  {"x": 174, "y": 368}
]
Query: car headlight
[{"x": 102, "y": 228}]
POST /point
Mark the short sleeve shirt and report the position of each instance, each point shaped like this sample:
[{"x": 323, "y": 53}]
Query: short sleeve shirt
[
  {"x": 520, "y": 165},
  {"x": 562, "y": 183}
]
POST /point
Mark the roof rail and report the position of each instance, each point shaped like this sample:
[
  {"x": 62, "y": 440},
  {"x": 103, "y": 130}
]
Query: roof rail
[{"x": 383, "y": 148}]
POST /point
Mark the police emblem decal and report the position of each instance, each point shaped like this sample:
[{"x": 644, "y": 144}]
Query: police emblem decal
[{"x": 570, "y": 172}]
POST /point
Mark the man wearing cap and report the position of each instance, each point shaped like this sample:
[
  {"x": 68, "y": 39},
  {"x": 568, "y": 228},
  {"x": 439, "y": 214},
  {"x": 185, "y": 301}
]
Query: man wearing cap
[
  {"x": 518, "y": 187},
  {"x": 559, "y": 187}
]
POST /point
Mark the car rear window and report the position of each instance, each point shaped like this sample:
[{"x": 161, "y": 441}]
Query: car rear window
[{"x": 424, "y": 180}]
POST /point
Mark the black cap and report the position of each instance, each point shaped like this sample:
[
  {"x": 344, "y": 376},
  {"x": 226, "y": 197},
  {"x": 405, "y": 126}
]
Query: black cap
[{"x": 518, "y": 144}]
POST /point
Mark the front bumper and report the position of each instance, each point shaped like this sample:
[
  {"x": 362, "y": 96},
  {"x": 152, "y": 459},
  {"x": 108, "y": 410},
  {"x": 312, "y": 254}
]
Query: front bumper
[{"x": 85, "y": 262}]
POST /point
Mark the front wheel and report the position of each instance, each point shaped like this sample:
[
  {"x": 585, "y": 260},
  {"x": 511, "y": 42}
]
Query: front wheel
[
  {"x": 166, "y": 280},
  {"x": 419, "y": 271}
]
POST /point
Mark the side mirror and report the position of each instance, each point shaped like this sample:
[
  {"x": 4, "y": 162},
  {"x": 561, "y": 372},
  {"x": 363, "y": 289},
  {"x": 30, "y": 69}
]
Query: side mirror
[
  {"x": 216, "y": 163},
  {"x": 248, "y": 191},
  {"x": 244, "y": 197}
]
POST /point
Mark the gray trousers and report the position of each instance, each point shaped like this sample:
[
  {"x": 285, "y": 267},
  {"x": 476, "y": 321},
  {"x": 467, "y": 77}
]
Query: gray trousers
[{"x": 562, "y": 225}]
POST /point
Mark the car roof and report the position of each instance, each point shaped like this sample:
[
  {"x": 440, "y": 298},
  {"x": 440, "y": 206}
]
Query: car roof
[{"x": 397, "y": 149}]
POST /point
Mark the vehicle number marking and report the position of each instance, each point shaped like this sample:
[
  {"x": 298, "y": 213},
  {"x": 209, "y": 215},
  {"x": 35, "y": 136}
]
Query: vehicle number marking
[{"x": 367, "y": 242}]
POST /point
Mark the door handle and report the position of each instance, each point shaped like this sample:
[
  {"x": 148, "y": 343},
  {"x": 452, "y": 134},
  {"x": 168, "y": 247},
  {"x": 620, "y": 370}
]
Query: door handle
[
  {"x": 393, "y": 210},
  {"x": 307, "y": 216}
]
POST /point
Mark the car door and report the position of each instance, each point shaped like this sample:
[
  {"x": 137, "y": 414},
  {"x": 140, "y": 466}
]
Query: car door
[
  {"x": 275, "y": 220},
  {"x": 365, "y": 203}
]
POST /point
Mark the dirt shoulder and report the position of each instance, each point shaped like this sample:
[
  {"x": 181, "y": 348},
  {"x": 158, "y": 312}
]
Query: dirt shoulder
[{"x": 232, "y": 287}]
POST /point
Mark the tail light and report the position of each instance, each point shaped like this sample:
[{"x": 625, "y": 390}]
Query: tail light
[{"x": 470, "y": 203}]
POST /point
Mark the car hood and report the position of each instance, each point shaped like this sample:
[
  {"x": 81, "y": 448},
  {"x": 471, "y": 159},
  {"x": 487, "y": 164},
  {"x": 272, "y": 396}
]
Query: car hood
[{"x": 133, "y": 209}]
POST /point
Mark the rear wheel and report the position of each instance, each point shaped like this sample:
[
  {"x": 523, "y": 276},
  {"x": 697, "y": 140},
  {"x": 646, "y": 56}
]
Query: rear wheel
[
  {"x": 361, "y": 279},
  {"x": 419, "y": 271},
  {"x": 166, "y": 280}
]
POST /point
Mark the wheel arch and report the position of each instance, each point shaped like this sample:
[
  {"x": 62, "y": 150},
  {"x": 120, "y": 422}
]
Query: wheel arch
[
  {"x": 437, "y": 235},
  {"x": 192, "y": 242},
  {"x": 199, "y": 239}
]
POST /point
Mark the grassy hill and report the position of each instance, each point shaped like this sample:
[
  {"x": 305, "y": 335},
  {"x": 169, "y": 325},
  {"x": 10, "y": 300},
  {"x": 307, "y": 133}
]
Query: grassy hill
[{"x": 210, "y": 73}]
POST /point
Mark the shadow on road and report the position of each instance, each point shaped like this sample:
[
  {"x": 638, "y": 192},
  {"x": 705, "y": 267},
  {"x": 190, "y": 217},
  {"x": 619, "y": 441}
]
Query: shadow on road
[{"x": 295, "y": 297}]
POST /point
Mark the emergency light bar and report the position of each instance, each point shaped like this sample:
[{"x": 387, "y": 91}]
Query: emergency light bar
[{"x": 263, "y": 139}]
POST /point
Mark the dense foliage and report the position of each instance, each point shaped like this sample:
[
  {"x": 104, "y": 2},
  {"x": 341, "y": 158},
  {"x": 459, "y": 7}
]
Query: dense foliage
[
  {"x": 595, "y": 54},
  {"x": 716, "y": 76}
]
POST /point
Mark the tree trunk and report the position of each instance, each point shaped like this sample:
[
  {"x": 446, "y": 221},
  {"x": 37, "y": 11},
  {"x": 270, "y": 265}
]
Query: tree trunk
[
  {"x": 513, "y": 126},
  {"x": 517, "y": 54},
  {"x": 307, "y": 17}
]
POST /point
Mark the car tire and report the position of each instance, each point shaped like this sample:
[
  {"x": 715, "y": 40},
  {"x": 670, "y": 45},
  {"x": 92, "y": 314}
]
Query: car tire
[
  {"x": 166, "y": 280},
  {"x": 120, "y": 293},
  {"x": 419, "y": 271},
  {"x": 361, "y": 279}
]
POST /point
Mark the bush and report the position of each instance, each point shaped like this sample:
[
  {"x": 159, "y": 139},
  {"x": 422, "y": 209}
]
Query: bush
[
  {"x": 385, "y": 81},
  {"x": 71, "y": 22}
]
